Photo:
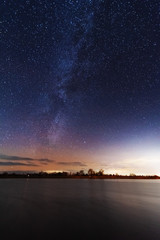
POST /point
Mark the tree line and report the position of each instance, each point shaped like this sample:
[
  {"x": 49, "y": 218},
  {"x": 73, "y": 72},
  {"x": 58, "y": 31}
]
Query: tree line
[{"x": 80, "y": 174}]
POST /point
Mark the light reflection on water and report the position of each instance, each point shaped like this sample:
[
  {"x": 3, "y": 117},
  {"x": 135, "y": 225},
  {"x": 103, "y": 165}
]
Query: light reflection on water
[{"x": 44, "y": 208}]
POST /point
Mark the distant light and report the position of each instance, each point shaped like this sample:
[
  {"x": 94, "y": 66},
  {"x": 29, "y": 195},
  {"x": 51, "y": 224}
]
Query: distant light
[{"x": 53, "y": 171}]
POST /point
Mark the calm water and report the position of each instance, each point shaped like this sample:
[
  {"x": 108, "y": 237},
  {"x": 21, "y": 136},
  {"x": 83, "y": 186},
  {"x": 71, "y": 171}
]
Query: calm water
[{"x": 71, "y": 208}]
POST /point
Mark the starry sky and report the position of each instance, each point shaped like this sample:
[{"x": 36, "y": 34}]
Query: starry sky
[{"x": 80, "y": 85}]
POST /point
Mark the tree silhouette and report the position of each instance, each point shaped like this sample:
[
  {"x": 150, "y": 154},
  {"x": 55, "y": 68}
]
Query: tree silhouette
[
  {"x": 101, "y": 172},
  {"x": 91, "y": 172},
  {"x": 81, "y": 172}
]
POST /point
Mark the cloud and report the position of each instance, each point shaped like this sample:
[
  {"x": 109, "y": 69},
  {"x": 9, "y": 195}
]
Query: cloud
[
  {"x": 45, "y": 160},
  {"x": 26, "y": 161},
  {"x": 72, "y": 164},
  {"x": 18, "y": 158},
  {"x": 12, "y": 158},
  {"x": 17, "y": 164}
]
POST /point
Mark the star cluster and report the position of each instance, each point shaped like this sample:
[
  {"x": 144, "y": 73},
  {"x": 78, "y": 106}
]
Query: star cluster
[{"x": 76, "y": 76}]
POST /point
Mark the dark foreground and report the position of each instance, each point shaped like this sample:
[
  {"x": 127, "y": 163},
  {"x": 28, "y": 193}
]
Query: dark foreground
[
  {"x": 85, "y": 209},
  {"x": 77, "y": 175}
]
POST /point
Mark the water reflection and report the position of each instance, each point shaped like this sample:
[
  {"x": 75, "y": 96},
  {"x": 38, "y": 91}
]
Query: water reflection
[{"x": 45, "y": 208}]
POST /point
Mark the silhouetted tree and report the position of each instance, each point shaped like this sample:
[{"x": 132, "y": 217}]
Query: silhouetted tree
[
  {"x": 91, "y": 172},
  {"x": 100, "y": 173},
  {"x": 132, "y": 175},
  {"x": 81, "y": 172}
]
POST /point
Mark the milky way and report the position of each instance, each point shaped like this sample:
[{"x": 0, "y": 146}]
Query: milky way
[{"x": 78, "y": 75}]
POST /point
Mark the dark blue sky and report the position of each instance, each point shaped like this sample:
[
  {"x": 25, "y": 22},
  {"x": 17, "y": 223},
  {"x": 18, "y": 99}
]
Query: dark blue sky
[{"x": 78, "y": 75}]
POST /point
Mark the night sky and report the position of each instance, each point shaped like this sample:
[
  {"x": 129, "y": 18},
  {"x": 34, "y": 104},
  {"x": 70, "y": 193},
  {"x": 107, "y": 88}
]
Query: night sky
[{"x": 80, "y": 85}]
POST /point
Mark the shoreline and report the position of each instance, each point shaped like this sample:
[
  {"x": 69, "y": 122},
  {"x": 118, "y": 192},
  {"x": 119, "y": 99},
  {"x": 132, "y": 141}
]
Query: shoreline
[{"x": 36, "y": 176}]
